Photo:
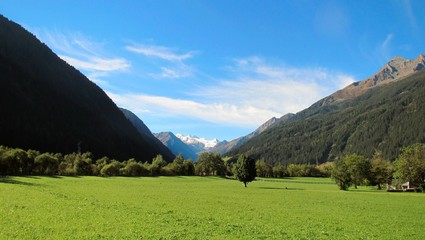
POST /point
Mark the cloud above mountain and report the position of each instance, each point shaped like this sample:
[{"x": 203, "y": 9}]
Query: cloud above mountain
[{"x": 254, "y": 92}]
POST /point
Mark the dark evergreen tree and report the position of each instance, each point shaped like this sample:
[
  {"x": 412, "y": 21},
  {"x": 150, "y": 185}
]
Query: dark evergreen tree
[{"x": 245, "y": 169}]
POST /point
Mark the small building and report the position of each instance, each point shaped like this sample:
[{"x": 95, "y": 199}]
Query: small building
[{"x": 407, "y": 187}]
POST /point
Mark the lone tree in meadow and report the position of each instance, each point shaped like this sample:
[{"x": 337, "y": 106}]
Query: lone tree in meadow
[{"x": 245, "y": 169}]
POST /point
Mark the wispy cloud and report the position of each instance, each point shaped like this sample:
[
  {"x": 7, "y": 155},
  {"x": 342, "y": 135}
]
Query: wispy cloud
[
  {"x": 384, "y": 49},
  {"x": 98, "y": 64},
  {"x": 256, "y": 92},
  {"x": 161, "y": 52},
  {"x": 165, "y": 107},
  {"x": 278, "y": 88},
  {"x": 83, "y": 53},
  {"x": 172, "y": 63}
]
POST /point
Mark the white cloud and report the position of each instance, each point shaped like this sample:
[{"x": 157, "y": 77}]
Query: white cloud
[
  {"x": 98, "y": 64},
  {"x": 171, "y": 65},
  {"x": 83, "y": 53},
  {"x": 165, "y": 107},
  {"x": 257, "y": 92},
  {"x": 161, "y": 52},
  {"x": 277, "y": 88}
]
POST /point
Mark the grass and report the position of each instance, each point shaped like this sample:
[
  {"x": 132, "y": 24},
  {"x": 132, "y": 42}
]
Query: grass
[{"x": 203, "y": 208}]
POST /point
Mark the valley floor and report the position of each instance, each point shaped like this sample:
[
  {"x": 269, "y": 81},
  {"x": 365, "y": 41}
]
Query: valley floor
[{"x": 202, "y": 208}]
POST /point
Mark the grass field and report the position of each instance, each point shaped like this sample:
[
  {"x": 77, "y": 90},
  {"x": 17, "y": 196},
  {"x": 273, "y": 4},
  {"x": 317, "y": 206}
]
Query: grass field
[{"x": 203, "y": 208}]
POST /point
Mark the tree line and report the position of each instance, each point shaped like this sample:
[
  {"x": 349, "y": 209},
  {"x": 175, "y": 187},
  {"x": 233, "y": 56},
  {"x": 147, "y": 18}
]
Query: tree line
[
  {"x": 17, "y": 162},
  {"x": 349, "y": 170}
]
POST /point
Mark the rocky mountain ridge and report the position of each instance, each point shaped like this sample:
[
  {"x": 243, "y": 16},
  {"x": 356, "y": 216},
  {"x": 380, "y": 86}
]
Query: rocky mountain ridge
[{"x": 396, "y": 69}]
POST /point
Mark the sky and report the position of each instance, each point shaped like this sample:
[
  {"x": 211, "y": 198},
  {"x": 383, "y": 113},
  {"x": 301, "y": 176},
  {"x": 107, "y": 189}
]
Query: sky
[{"x": 220, "y": 68}]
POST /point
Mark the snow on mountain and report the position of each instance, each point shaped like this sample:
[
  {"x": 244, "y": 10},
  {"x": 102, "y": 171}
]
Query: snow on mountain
[{"x": 201, "y": 144}]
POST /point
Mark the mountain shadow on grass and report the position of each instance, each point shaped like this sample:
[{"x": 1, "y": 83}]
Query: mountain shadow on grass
[
  {"x": 13, "y": 181},
  {"x": 281, "y": 188}
]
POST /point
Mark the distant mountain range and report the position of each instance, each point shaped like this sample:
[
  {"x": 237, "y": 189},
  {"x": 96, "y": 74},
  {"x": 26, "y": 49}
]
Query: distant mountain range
[
  {"x": 382, "y": 113},
  {"x": 177, "y": 146},
  {"x": 48, "y": 105},
  {"x": 191, "y": 146}
]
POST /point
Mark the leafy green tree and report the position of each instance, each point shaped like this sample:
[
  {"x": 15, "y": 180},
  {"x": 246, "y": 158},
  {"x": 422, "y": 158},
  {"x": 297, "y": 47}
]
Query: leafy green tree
[
  {"x": 157, "y": 163},
  {"x": 410, "y": 165},
  {"x": 83, "y": 164},
  {"x": 263, "y": 169},
  {"x": 111, "y": 169},
  {"x": 279, "y": 171},
  {"x": 210, "y": 164},
  {"x": 341, "y": 174},
  {"x": 298, "y": 170},
  {"x": 359, "y": 168},
  {"x": 176, "y": 167},
  {"x": 326, "y": 169},
  {"x": 46, "y": 164},
  {"x": 17, "y": 161},
  {"x": 188, "y": 167},
  {"x": 132, "y": 169},
  {"x": 245, "y": 170},
  {"x": 381, "y": 170},
  {"x": 100, "y": 163}
]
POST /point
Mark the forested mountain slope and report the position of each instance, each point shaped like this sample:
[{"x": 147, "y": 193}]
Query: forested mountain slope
[
  {"x": 225, "y": 146},
  {"x": 48, "y": 105},
  {"x": 384, "y": 118}
]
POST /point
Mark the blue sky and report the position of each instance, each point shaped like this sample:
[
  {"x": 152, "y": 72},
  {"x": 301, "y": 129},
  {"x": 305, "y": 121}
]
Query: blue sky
[{"x": 219, "y": 68}]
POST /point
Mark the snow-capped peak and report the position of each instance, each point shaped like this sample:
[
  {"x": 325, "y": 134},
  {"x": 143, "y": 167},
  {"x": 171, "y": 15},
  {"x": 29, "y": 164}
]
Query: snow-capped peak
[{"x": 194, "y": 140}]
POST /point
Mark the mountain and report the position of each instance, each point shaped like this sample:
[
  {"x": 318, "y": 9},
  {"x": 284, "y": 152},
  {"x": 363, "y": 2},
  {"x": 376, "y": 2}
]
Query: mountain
[
  {"x": 198, "y": 144},
  {"x": 176, "y": 145},
  {"x": 48, "y": 105},
  {"x": 146, "y": 133},
  {"x": 384, "y": 114},
  {"x": 225, "y": 146},
  {"x": 396, "y": 69}
]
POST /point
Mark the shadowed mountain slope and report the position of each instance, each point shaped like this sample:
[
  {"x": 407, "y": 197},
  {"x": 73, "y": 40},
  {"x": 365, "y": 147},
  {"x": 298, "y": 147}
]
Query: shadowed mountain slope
[{"x": 48, "y": 105}]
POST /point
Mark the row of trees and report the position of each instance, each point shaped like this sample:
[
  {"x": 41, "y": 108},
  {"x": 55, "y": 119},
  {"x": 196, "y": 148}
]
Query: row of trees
[
  {"x": 409, "y": 166},
  {"x": 352, "y": 169},
  {"x": 15, "y": 161}
]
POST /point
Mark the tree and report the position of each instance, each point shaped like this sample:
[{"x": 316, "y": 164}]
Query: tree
[
  {"x": 157, "y": 163},
  {"x": 279, "y": 171},
  {"x": 359, "y": 168},
  {"x": 176, "y": 167},
  {"x": 263, "y": 169},
  {"x": 410, "y": 165},
  {"x": 210, "y": 164},
  {"x": 132, "y": 168},
  {"x": 46, "y": 164},
  {"x": 381, "y": 170},
  {"x": 341, "y": 175},
  {"x": 188, "y": 167},
  {"x": 245, "y": 169},
  {"x": 111, "y": 169}
]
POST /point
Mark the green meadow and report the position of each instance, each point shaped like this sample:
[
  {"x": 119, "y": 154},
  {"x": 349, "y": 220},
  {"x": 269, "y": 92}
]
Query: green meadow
[{"x": 203, "y": 208}]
